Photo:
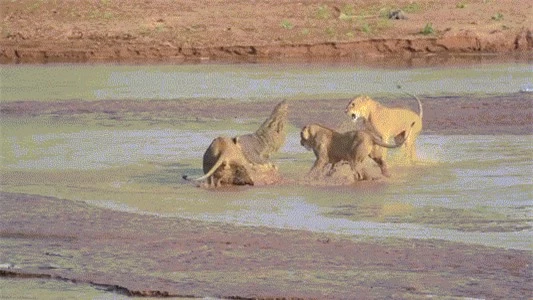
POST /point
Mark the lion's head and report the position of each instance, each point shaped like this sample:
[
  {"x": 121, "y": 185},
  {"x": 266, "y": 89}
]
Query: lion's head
[
  {"x": 308, "y": 136},
  {"x": 304, "y": 138},
  {"x": 359, "y": 107}
]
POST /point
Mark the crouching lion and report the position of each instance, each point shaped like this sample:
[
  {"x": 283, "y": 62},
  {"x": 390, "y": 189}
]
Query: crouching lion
[
  {"x": 245, "y": 159},
  {"x": 388, "y": 122},
  {"x": 224, "y": 163},
  {"x": 331, "y": 147}
]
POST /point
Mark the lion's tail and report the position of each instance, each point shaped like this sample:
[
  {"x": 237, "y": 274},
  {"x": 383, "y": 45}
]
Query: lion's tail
[
  {"x": 420, "y": 110},
  {"x": 219, "y": 162},
  {"x": 379, "y": 142}
]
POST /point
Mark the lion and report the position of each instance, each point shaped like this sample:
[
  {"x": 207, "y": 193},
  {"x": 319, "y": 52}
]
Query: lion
[
  {"x": 331, "y": 147},
  {"x": 388, "y": 122},
  {"x": 245, "y": 159},
  {"x": 224, "y": 163}
]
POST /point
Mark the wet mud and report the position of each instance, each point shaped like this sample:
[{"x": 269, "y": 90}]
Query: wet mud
[
  {"x": 143, "y": 255},
  {"x": 463, "y": 220},
  {"x": 459, "y": 114}
]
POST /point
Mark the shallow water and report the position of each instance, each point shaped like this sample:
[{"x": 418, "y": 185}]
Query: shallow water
[
  {"x": 473, "y": 189},
  {"x": 51, "y": 289},
  {"x": 251, "y": 81}
]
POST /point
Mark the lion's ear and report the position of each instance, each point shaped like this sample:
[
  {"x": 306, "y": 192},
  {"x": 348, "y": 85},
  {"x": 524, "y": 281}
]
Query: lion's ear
[{"x": 305, "y": 133}]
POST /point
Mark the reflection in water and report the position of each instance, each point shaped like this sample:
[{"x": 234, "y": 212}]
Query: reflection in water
[{"x": 474, "y": 189}]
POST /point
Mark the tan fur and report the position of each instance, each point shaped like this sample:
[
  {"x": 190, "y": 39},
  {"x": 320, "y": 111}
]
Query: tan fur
[
  {"x": 224, "y": 163},
  {"x": 331, "y": 147},
  {"x": 388, "y": 122},
  {"x": 238, "y": 160}
]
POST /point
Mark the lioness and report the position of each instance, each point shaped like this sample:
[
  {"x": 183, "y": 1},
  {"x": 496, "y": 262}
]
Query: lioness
[
  {"x": 388, "y": 122},
  {"x": 245, "y": 159},
  {"x": 224, "y": 163},
  {"x": 332, "y": 147}
]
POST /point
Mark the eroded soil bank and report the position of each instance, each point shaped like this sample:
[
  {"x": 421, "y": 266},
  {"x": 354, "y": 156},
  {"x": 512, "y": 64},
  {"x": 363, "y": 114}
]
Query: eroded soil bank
[
  {"x": 149, "y": 255},
  {"x": 141, "y": 31}
]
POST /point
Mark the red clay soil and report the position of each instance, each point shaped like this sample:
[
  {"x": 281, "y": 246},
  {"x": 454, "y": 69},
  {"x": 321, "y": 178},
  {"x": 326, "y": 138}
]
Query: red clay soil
[
  {"x": 142, "y": 255},
  {"x": 148, "y": 31}
]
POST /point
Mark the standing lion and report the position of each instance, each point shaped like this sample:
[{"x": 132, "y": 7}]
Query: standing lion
[
  {"x": 331, "y": 147},
  {"x": 388, "y": 122}
]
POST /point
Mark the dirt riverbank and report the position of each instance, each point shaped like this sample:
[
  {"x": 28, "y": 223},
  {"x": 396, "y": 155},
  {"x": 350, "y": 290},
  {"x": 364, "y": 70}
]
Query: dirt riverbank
[
  {"x": 138, "y": 31},
  {"x": 142, "y": 255}
]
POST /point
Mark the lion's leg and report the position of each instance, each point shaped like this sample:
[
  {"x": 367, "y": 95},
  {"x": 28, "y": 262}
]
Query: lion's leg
[
  {"x": 410, "y": 147},
  {"x": 222, "y": 174},
  {"x": 210, "y": 181},
  {"x": 383, "y": 166},
  {"x": 321, "y": 161},
  {"x": 376, "y": 156},
  {"x": 410, "y": 151},
  {"x": 382, "y": 151},
  {"x": 361, "y": 152},
  {"x": 216, "y": 179},
  {"x": 357, "y": 168},
  {"x": 316, "y": 166},
  {"x": 410, "y": 142}
]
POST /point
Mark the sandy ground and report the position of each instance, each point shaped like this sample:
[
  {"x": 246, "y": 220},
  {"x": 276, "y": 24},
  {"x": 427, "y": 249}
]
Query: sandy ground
[{"x": 140, "y": 31}]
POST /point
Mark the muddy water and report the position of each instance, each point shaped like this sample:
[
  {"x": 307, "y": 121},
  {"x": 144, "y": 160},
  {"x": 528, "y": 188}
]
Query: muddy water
[
  {"x": 248, "y": 82},
  {"x": 473, "y": 189},
  {"x": 50, "y": 290}
]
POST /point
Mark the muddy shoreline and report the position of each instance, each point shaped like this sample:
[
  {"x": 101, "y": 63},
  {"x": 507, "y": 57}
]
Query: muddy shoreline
[
  {"x": 459, "y": 114},
  {"x": 73, "y": 241}
]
